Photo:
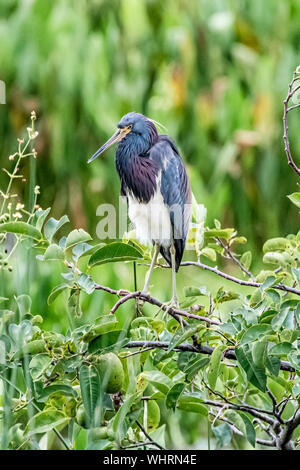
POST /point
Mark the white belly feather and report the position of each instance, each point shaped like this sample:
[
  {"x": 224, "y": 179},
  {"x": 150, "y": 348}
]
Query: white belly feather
[{"x": 151, "y": 220}]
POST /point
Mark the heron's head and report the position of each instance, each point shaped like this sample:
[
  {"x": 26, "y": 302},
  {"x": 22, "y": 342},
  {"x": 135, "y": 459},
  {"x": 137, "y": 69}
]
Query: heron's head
[{"x": 134, "y": 129}]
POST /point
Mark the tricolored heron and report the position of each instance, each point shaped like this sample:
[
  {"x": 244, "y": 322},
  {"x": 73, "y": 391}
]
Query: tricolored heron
[{"x": 155, "y": 182}]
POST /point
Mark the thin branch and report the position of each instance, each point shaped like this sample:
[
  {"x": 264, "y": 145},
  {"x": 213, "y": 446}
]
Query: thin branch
[
  {"x": 263, "y": 442},
  {"x": 233, "y": 257},
  {"x": 152, "y": 300},
  {"x": 237, "y": 405},
  {"x": 203, "y": 349},
  {"x": 248, "y": 409},
  {"x": 286, "y": 109},
  {"x": 241, "y": 282},
  {"x": 149, "y": 437},
  {"x": 275, "y": 406},
  {"x": 138, "y": 444}
]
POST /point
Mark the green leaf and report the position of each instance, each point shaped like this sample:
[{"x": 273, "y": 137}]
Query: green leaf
[
  {"x": 159, "y": 380},
  {"x": 223, "y": 434},
  {"x": 274, "y": 295},
  {"x": 246, "y": 259},
  {"x": 86, "y": 283},
  {"x": 84, "y": 249},
  {"x": 77, "y": 236},
  {"x": 24, "y": 304},
  {"x": 294, "y": 359},
  {"x": 279, "y": 319},
  {"x": 275, "y": 244},
  {"x": 283, "y": 259},
  {"x": 180, "y": 336},
  {"x": 108, "y": 341},
  {"x": 192, "y": 291},
  {"x": 192, "y": 403},
  {"x": 281, "y": 349},
  {"x": 119, "y": 426},
  {"x": 192, "y": 363},
  {"x": 225, "y": 233},
  {"x": 21, "y": 228},
  {"x": 255, "y": 373},
  {"x": 115, "y": 252},
  {"x": 90, "y": 387},
  {"x": 259, "y": 349},
  {"x": 56, "y": 292},
  {"x": 74, "y": 306},
  {"x": 158, "y": 435},
  {"x": 209, "y": 253},
  {"x": 241, "y": 240},
  {"x": 214, "y": 365},
  {"x": 272, "y": 364},
  {"x": 255, "y": 332},
  {"x": 41, "y": 217},
  {"x": 295, "y": 198},
  {"x": 225, "y": 296},
  {"x": 269, "y": 282},
  {"x": 63, "y": 389},
  {"x": 45, "y": 421},
  {"x": 104, "y": 324},
  {"x": 52, "y": 226},
  {"x": 54, "y": 252},
  {"x": 243, "y": 423},
  {"x": 296, "y": 274},
  {"x": 249, "y": 429},
  {"x": 38, "y": 365},
  {"x": 174, "y": 394}
]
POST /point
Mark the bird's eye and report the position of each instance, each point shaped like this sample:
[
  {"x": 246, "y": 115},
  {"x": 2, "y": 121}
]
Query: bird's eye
[{"x": 130, "y": 126}]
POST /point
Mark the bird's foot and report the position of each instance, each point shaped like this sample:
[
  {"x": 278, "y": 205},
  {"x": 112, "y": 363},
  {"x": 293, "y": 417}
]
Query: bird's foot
[{"x": 171, "y": 304}]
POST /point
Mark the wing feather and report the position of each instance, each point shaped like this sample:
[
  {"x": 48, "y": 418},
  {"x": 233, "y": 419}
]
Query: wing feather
[{"x": 176, "y": 192}]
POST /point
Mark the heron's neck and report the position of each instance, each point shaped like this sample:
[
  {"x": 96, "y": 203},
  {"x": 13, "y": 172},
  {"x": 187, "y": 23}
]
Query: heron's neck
[{"x": 137, "y": 172}]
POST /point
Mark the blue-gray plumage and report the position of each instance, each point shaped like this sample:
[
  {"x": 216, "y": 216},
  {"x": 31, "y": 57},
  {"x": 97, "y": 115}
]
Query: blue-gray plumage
[{"x": 155, "y": 182}]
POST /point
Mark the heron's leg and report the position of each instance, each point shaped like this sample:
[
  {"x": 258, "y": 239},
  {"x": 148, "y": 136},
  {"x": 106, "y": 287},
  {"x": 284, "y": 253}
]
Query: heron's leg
[
  {"x": 174, "y": 300},
  {"x": 149, "y": 272}
]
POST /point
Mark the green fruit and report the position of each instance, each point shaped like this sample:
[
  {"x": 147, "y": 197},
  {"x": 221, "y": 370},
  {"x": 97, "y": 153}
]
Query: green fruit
[
  {"x": 81, "y": 417},
  {"x": 153, "y": 415},
  {"x": 111, "y": 372}
]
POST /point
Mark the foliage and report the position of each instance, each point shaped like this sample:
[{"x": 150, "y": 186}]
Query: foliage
[{"x": 236, "y": 367}]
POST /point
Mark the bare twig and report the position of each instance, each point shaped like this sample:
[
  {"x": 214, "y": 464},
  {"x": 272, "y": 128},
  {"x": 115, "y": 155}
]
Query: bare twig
[
  {"x": 233, "y": 257},
  {"x": 152, "y": 300},
  {"x": 241, "y": 282},
  {"x": 286, "y": 109},
  {"x": 201, "y": 348},
  {"x": 263, "y": 442}
]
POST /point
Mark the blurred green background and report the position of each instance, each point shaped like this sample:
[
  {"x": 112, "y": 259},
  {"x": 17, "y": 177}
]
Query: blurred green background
[
  {"x": 208, "y": 70},
  {"x": 215, "y": 73}
]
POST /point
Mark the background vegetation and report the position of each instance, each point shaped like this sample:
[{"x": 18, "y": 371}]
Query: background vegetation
[{"x": 215, "y": 73}]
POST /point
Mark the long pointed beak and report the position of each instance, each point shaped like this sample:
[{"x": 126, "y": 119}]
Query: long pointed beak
[{"x": 117, "y": 137}]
